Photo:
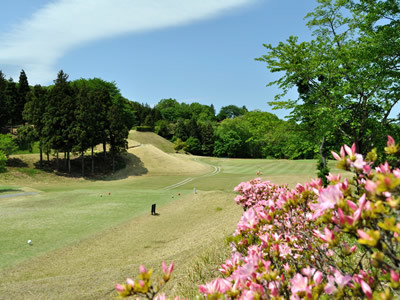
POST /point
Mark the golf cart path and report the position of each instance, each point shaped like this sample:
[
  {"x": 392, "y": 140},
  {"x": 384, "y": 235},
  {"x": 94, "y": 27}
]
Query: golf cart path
[
  {"x": 18, "y": 194},
  {"x": 190, "y": 179}
]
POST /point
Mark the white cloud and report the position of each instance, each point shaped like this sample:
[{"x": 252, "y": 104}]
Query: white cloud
[{"x": 37, "y": 43}]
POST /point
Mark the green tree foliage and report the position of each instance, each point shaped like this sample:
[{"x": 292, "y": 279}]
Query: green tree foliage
[
  {"x": 4, "y": 114},
  {"x": 230, "y": 112},
  {"x": 181, "y": 130},
  {"x": 163, "y": 129},
  {"x": 23, "y": 90},
  {"x": 59, "y": 118},
  {"x": 118, "y": 130},
  {"x": 194, "y": 146},
  {"x": 11, "y": 101},
  {"x": 34, "y": 112},
  {"x": 74, "y": 117},
  {"x": 3, "y": 161},
  {"x": 27, "y": 136},
  {"x": 349, "y": 71},
  {"x": 7, "y": 144},
  {"x": 231, "y": 138},
  {"x": 207, "y": 138},
  {"x": 179, "y": 145}
]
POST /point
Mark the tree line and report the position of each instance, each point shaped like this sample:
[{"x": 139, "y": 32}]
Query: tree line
[{"x": 67, "y": 117}]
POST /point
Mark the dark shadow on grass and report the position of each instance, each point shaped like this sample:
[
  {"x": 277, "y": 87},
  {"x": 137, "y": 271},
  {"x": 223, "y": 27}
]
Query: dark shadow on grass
[
  {"x": 10, "y": 190},
  {"x": 126, "y": 165},
  {"x": 16, "y": 162}
]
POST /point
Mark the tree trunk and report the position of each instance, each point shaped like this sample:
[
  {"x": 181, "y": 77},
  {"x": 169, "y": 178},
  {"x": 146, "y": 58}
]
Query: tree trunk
[
  {"x": 113, "y": 162},
  {"x": 41, "y": 155},
  {"x": 83, "y": 163},
  {"x": 65, "y": 161},
  {"x": 69, "y": 163},
  {"x": 58, "y": 162},
  {"x": 48, "y": 158},
  {"x": 322, "y": 152},
  {"x": 92, "y": 162},
  {"x": 104, "y": 149}
]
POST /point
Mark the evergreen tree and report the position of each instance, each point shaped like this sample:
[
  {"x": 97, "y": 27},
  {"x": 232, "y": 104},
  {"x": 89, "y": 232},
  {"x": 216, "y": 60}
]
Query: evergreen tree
[
  {"x": 207, "y": 138},
  {"x": 118, "y": 131},
  {"x": 23, "y": 90},
  {"x": 33, "y": 113},
  {"x": 60, "y": 118},
  {"x": 4, "y": 114},
  {"x": 181, "y": 130},
  {"x": 11, "y": 101}
]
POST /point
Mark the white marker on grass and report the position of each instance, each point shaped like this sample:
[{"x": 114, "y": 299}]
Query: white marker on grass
[{"x": 29, "y": 242}]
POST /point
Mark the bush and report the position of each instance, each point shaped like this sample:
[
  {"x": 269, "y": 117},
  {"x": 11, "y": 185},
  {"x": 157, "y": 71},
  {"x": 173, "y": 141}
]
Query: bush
[
  {"x": 3, "y": 162},
  {"x": 193, "y": 145},
  {"x": 7, "y": 144},
  {"x": 313, "y": 242}
]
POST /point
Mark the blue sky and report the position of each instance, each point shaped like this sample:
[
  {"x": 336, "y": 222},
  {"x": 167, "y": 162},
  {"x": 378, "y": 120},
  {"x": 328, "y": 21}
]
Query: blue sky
[{"x": 190, "y": 50}]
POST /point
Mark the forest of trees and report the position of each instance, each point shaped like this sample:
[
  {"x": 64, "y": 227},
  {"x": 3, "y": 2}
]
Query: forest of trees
[
  {"x": 67, "y": 117},
  {"x": 75, "y": 116}
]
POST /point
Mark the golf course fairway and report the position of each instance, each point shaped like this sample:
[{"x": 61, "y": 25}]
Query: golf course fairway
[{"x": 89, "y": 234}]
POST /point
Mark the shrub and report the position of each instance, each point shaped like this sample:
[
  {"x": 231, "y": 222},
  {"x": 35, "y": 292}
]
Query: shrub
[
  {"x": 7, "y": 144},
  {"x": 3, "y": 161},
  {"x": 312, "y": 242}
]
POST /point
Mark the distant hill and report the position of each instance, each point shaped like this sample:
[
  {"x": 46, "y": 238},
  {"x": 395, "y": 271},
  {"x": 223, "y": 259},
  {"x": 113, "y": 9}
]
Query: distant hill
[{"x": 151, "y": 138}]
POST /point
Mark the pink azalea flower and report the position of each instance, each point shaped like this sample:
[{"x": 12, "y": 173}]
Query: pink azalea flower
[
  {"x": 161, "y": 297},
  {"x": 394, "y": 275},
  {"x": 366, "y": 289},
  {"x": 327, "y": 237},
  {"x": 384, "y": 169},
  {"x": 130, "y": 282},
  {"x": 364, "y": 235},
  {"x": 308, "y": 271},
  {"x": 218, "y": 285},
  {"x": 396, "y": 172},
  {"x": 350, "y": 151},
  {"x": 359, "y": 162},
  {"x": 358, "y": 212},
  {"x": 273, "y": 287},
  {"x": 299, "y": 284},
  {"x": 340, "y": 279},
  {"x": 142, "y": 269},
  {"x": 119, "y": 287},
  {"x": 330, "y": 287},
  {"x": 317, "y": 277},
  {"x": 390, "y": 141},
  {"x": 328, "y": 198},
  {"x": 247, "y": 295},
  {"x": 170, "y": 268},
  {"x": 335, "y": 155},
  {"x": 333, "y": 177},
  {"x": 167, "y": 272},
  {"x": 249, "y": 220},
  {"x": 370, "y": 186},
  {"x": 284, "y": 250}
]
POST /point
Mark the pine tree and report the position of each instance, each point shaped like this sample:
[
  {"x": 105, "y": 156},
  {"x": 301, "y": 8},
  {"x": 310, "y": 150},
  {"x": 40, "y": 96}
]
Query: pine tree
[
  {"x": 4, "y": 114},
  {"x": 23, "y": 90},
  {"x": 11, "y": 100}
]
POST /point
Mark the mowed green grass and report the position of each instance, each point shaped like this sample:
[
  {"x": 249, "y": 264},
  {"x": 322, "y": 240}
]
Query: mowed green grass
[{"x": 85, "y": 240}]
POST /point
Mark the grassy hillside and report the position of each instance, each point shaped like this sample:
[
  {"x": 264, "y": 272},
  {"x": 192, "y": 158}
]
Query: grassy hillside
[{"x": 153, "y": 139}]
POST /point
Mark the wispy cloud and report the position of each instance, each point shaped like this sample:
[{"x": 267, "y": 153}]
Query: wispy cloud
[{"x": 37, "y": 43}]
